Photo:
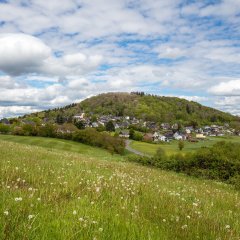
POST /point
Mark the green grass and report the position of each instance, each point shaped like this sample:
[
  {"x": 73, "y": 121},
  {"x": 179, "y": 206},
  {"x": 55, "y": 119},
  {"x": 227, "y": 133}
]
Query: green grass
[
  {"x": 66, "y": 145},
  {"x": 172, "y": 147},
  {"x": 56, "y": 194}
]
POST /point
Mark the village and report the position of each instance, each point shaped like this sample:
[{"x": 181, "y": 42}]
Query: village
[{"x": 155, "y": 132}]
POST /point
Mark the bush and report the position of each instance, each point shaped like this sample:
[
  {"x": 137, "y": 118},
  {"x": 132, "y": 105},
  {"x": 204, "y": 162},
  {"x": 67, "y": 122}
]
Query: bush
[
  {"x": 4, "y": 128},
  {"x": 92, "y": 137}
]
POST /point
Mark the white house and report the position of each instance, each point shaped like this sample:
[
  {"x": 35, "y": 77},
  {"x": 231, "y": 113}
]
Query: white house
[{"x": 177, "y": 136}]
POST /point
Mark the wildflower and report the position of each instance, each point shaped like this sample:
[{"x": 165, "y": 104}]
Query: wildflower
[
  {"x": 184, "y": 226},
  {"x": 164, "y": 220},
  {"x": 30, "y": 217},
  {"x": 6, "y": 213},
  {"x": 18, "y": 199},
  {"x": 30, "y": 189},
  {"x": 39, "y": 199},
  {"x": 100, "y": 229},
  {"x": 227, "y": 226},
  {"x": 74, "y": 212},
  {"x": 81, "y": 219}
]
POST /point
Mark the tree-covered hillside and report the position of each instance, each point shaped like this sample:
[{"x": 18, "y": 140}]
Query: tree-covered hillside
[{"x": 142, "y": 106}]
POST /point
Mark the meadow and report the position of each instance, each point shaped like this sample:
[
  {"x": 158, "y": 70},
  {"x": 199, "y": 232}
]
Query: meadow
[
  {"x": 66, "y": 145},
  {"x": 57, "y": 194},
  {"x": 172, "y": 147}
]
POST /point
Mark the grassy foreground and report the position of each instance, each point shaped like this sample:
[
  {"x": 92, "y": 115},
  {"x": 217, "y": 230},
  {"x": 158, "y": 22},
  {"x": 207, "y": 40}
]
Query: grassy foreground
[
  {"x": 54, "y": 194},
  {"x": 172, "y": 147}
]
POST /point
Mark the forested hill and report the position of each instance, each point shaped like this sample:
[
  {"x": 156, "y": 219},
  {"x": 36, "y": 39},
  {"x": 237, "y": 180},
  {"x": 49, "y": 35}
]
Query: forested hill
[{"x": 142, "y": 106}]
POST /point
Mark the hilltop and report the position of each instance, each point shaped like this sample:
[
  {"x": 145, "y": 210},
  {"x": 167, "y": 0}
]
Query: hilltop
[{"x": 154, "y": 108}]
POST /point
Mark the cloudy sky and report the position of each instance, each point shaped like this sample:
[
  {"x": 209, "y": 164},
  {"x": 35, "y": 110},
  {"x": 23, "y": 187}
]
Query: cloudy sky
[{"x": 53, "y": 53}]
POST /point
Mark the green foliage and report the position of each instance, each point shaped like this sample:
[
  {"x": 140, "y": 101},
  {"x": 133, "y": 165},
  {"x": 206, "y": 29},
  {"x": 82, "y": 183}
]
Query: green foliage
[
  {"x": 48, "y": 130},
  {"x": 80, "y": 124},
  {"x": 29, "y": 130},
  {"x": 220, "y": 162},
  {"x": 4, "y": 128},
  {"x": 180, "y": 145},
  {"x": 92, "y": 137},
  {"x": 110, "y": 126},
  {"x": 146, "y": 107}
]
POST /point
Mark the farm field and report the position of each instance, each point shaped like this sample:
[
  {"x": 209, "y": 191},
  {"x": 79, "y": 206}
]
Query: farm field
[
  {"x": 172, "y": 147},
  {"x": 65, "y": 195},
  {"x": 66, "y": 145}
]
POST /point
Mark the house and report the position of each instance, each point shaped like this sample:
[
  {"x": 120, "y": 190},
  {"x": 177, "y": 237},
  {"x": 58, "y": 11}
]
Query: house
[
  {"x": 189, "y": 129},
  {"x": 5, "y": 121},
  {"x": 159, "y": 137},
  {"x": 124, "y": 133},
  {"x": 177, "y": 136},
  {"x": 148, "y": 137},
  {"x": 94, "y": 124},
  {"x": 175, "y": 126},
  {"x": 116, "y": 125},
  {"x": 200, "y": 136},
  {"x": 79, "y": 117},
  {"x": 169, "y": 136},
  {"x": 165, "y": 126}
]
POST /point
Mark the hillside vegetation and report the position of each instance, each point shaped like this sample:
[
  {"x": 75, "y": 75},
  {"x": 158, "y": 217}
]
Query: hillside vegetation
[
  {"x": 61, "y": 195},
  {"x": 147, "y": 107}
]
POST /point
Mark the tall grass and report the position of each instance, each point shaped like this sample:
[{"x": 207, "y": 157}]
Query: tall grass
[{"x": 49, "y": 194}]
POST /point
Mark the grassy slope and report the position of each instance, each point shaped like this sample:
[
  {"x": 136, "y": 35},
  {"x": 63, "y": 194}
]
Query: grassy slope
[
  {"x": 61, "y": 144},
  {"x": 112, "y": 200},
  {"x": 172, "y": 148}
]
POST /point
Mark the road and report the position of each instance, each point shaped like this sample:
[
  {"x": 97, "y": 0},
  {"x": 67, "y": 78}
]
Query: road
[{"x": 130, "y": 149}]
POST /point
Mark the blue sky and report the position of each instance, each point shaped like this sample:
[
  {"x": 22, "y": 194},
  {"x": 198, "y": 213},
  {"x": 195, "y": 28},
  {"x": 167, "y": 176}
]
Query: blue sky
[{"x": 53, "y": 54}]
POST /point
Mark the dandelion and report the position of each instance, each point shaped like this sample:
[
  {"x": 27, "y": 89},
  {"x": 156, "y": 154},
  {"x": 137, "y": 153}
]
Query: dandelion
[
  {"x": 30, "y": 217},
  {"x": 18, "y": 199},
  {"x": 6, "y": 213},
  {"x": 227, "y": 226},
  {"x": 184, "y": 226}
]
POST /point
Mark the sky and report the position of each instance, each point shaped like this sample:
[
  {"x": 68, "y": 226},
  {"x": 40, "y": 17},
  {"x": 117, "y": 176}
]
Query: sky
[{"x": 53, "y": 53}]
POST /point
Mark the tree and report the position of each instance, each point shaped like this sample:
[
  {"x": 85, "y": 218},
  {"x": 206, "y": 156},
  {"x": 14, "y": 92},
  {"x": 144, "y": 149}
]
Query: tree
[
  {"x": 4, "y": 128},
  {"x": 131, "y": 133},
  {"x": 59, "y": 119},
  {"x": 80, "y": 124},
  {"x": 110, "y": 126},
  {"x": 181, "y": 145}
]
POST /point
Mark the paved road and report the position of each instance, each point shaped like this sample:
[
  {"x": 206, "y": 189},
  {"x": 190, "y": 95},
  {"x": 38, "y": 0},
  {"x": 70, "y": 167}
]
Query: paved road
[{"x": 130, "y": 149}]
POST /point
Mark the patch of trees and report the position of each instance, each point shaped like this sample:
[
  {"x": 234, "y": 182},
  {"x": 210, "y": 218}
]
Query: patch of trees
[
  {"x": 89, "y": 136},
  {"x": 99, "y": 139},
  {"x": 220, "y": 162}
]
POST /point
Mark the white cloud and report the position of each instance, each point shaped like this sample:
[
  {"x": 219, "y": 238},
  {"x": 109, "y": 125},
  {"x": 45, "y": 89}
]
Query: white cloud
[
  {"x": 22, "y": 53},
  {"x": 231, "y": 88}
]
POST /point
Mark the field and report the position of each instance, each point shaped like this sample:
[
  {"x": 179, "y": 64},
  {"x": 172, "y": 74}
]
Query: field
[
  {"x": 172, "y": 147},
  {"x": 66, "y": 145},
  {"x": 56, "y": 194}
]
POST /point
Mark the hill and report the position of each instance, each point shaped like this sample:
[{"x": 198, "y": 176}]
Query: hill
[
  {"x": 158, "y": 109},
  {"x": 62, "y": 195}
]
